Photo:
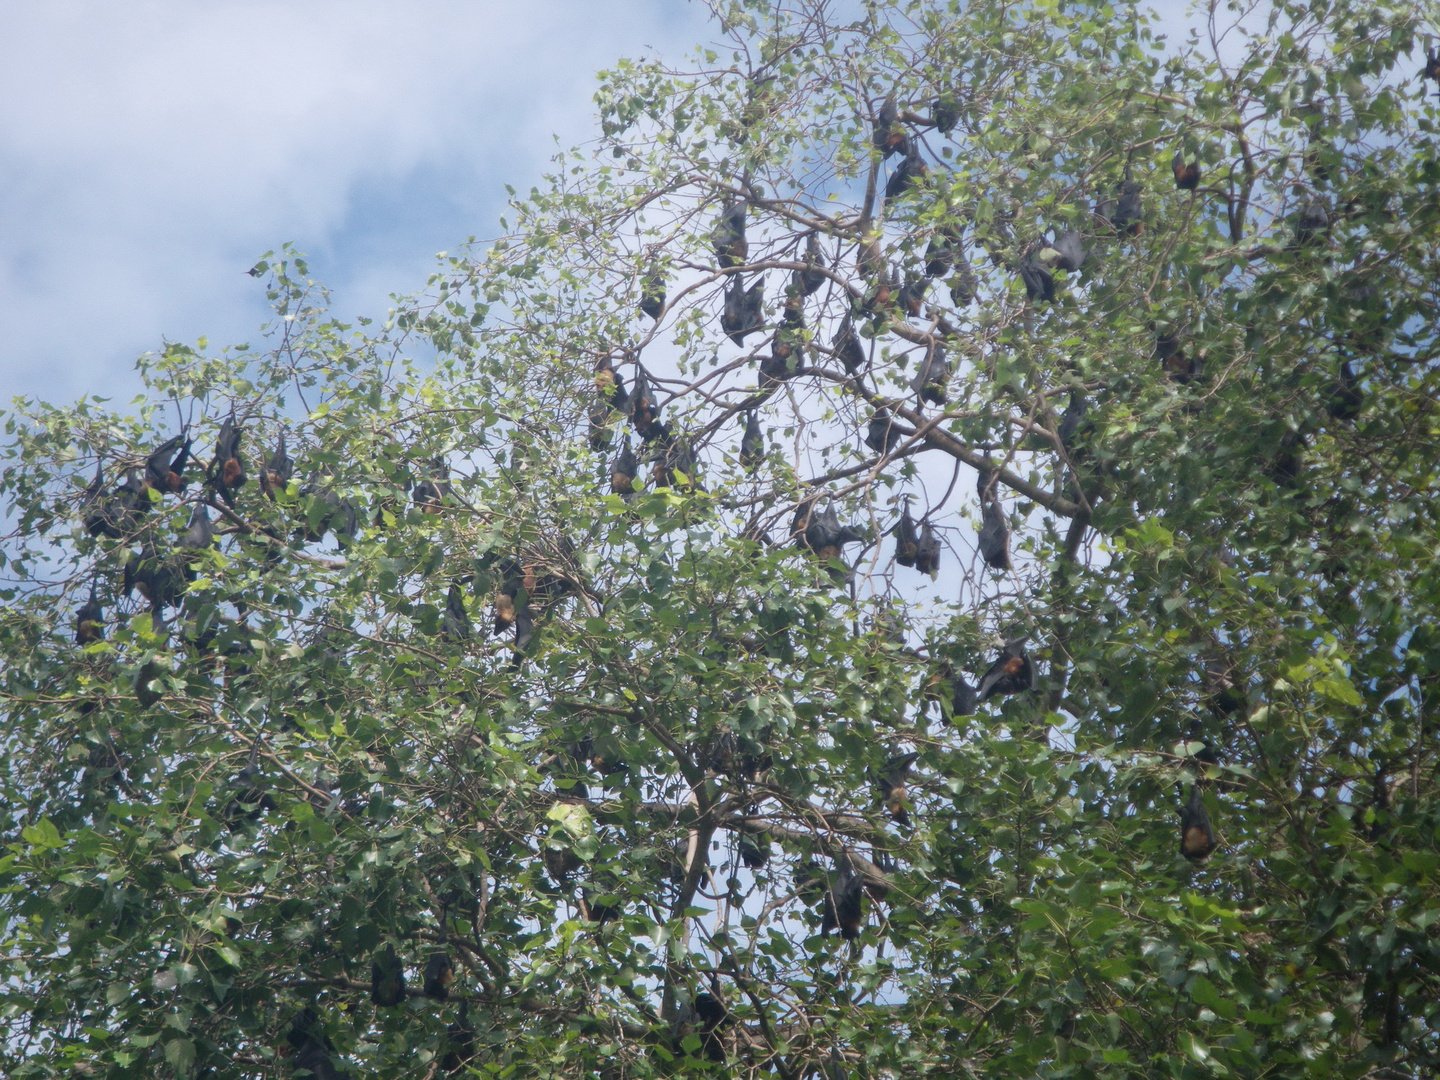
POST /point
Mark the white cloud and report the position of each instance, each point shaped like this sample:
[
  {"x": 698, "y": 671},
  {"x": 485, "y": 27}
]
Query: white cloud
[{"x": 149, "y": 151}]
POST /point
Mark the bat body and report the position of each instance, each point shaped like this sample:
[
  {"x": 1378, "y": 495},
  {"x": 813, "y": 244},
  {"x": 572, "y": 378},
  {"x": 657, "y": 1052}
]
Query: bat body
[
  {"x": 227, "y": 471},
  {"x": 200, "y": 533},
  {"x": 744, "y": 312},
  {"x": 1066, "y": 251},
  {"x": 1346, "y": 398},
  {"x": 461, "y": 1038},
  {"x": 927, "y": 550},
  {"x": 455, "y": 624},
  {"x": 847, "y": 347},
  {"x": 439, "y": 974},
  {"x": 752, "y": 443},
  {"x": 1071, "y": 419},
  {"x": 1039, "y": 282},
  {"x": 932, "y": 378},
  {"x": 387, "y": 978},
  {"x": 278, "y": 469},
  {"x": 1187, "y": 177},
  {"x": 907, "y": 541},
  {"x": 907, "y": 174},
  {"x": 623, "y": 471},
  {"x": 165, "y": 466},
  {"x": 1171, "y": 354},
  {"x": 1197, "y": 837},
  {"x": 843, "y": 905},
  {"x": 641, "y": 408},
  {"x": 1123, "y": 212},
  {"x": 881, "y": 435},
  {"x": 90, "y": 620},
  {"x": 944, "y": 113},
  {"x": 1011, "y": 672},
  {"x": 940, "y": 253},
  {"x": 994, "y": 536},
  {"x": 963, "y": 697},
  {"x": 597, "y": 911},
  {"x": 652, "y": 294},
  {"x": 889, "y": 136},
  {"x": 312, "y": 1048},
  {"x": 728, "y": 236},
  {"x": 912, "y": 296},
  {"x": 809, "y": 281},
  {"x": 118, "y": 514},
  {"x": 429, "y": 494},
  {"x": 891, "y": 783}
]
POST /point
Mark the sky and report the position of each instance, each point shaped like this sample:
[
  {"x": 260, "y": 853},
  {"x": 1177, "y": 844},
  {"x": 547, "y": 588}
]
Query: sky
[{"x": 151, "y": 151}]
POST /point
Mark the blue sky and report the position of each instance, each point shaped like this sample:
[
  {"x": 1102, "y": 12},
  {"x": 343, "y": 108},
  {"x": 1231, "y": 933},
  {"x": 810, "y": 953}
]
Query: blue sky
[{"x": 150, "y": 151}]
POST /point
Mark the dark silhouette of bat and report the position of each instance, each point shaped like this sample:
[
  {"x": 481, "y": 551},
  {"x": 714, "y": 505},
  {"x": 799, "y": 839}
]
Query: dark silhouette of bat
[
  {"x": 964, "y": 285},
  {"x": 200, "y": 533},
  {"x": 641, "y": 408},
  {"x": 1123, "y": 213},
  {"x": 744, "y": 309},
  {"x": 1346, "y": 398},
  {"x": 1171, "y": 354},
  {"x": 994, "y": 536},
  {"x": 438, "y": 975},
  {"x": 1431, "y": 70},
  {"x": 1222, "y": 693},
  {"x": 847, "y": 347},
  {"x": 891, "y": 783},
  {"x": 278, "y": 469},
  {"x": 927, "y": 551},
  {"x": 881, "y": 435},
  {"x": 610, "y": 386},
  {"x": 460, "y": 1037},
  {"x": 1187, "y": 177},
  {"x": 227, "y": 471},
  {"x": 932, "y": 377},
  {"x": 1197, "y": 838},
  {"x": 911, "y": 170},
  {"x": 963, "y": 697},
  {"x": 429, "y": 494},
  {"x": 118, "y": 514},
  {"x": 907, "y": 542},
  {"x": 597, "y": 910},
  {"x": 312, "y": 1048},
  {"x": 752, "y": 443},
  {"x": 843, "y": 904},
  {"x": 890, "y": 135},
  {"x": 1066, "y": 251},
  {"x": 809, "y": 281},
  {"x": 387, "y": 978},
  {"x": 249, "y": 799},
  {"x": 600, "y": 436},
  {"x": 623, "y": 471},
  {"x": 1011, "y": 672},
  {"x": 822, "y": 533},
  {"x": 728, "y": 236},
  {"x": 912, "y": 296},
  {"x": 755, "y": 850},
  {"x": 945, "y": 112},
  {"x": 1039, "y": 282},
  {"x": 710, "y": 1014},
  {"x": 90, "y": 620},
  {"x": 165, "y": 466},
  {"x": 652, "y": 294},
  {"x": 455, "y": 623},
  {"x": 1071, "y": 419},
  {"x": 158, "y": 580},
  {"x": 674, "y": 456},
  {"x": 776, "y": 368},
  {"x": 1311, "y": 221},
  {"x": 940, "y": 252}
]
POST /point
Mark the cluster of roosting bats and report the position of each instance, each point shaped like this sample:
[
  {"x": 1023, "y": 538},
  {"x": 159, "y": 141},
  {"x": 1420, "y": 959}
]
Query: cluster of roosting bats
[{"x": 163, "y": 577}]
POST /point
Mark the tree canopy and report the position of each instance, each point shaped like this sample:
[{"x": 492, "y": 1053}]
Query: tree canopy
[{"x": 913, "y": 556}]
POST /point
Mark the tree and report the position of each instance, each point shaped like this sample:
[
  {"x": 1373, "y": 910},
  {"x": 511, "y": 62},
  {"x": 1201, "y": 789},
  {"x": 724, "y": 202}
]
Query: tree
[{"x": 733, "y": 787}]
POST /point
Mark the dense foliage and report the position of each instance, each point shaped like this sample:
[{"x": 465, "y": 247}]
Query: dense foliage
[{"x": 772, "y": 612}]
